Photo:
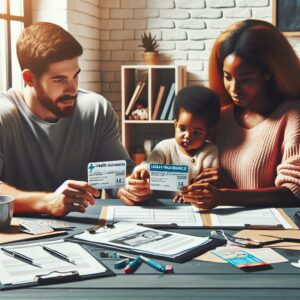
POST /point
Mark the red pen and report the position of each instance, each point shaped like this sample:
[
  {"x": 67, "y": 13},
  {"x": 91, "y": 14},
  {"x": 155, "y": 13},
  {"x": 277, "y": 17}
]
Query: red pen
[{"x": 132, "y": 266}]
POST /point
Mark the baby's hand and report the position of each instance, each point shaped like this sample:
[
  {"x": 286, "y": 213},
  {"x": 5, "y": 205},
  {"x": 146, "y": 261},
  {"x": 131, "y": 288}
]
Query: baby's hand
[
  {"x": 178, "y": 198},
  {"x": 141, "y": 174}
]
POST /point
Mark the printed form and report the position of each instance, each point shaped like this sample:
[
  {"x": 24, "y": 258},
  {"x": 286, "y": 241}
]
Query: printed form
[
  {"x": 164, "y": 215},
  {"x": 240, "y": 216}
]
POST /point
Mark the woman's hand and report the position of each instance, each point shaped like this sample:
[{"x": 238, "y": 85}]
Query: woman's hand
[
  {"x": 201, "y": 195},
  {"x": 191, "y": 194},
  {"x": 208, "y": 175}
]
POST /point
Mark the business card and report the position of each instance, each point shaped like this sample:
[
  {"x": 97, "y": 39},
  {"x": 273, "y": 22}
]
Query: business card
[
  {"x": 107, "y": 174},
  {"x": 165, "y": 177},
  {"x": 239, "y": 258}
]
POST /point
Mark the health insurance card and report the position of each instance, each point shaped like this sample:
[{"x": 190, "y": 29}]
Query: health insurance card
[
  {"x": 164, "y": 177},
  {"x": 107, "y": 174}
]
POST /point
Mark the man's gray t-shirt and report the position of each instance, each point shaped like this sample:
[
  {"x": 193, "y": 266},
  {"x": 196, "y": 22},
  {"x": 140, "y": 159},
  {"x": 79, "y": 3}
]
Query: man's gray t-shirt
[{"x": 37, "y": 155}]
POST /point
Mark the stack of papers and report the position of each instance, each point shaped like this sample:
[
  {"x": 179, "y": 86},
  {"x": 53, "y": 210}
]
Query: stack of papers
[{"x": 151, "y": 242}]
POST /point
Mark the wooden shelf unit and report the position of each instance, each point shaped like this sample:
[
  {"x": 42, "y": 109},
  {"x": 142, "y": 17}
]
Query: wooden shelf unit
[{"x": 135, "y": 132}]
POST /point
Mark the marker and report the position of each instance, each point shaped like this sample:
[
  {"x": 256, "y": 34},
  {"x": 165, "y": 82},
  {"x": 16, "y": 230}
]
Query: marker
[
  {"x": 153, "y": 264},
  {"x": 132, "y": 266}
]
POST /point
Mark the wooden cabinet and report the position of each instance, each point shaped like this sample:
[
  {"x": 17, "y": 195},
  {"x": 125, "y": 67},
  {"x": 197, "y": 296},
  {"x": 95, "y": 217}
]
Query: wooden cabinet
[{"x": 151, "y": 78}]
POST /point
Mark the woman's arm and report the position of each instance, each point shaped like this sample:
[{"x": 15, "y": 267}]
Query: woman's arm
[{"x": 207, "y": 196}]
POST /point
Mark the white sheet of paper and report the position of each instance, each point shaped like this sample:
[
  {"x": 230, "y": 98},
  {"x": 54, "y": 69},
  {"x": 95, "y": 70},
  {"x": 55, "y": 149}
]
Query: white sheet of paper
[
  {"x": 239, "y": 216},
  {"x": 15, "y": 271},
  {"x": 107, "y": 174},
  {"x": 165, "y": 177},
  {"x": 179, "y": 215}
]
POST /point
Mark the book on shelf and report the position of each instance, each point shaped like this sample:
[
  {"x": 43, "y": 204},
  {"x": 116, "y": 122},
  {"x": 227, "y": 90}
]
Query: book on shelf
[
  {"x": 136, "y": 94},
  {"x": 171, "y": 112},
  {"x": 158, "y": 102},
  {"x": 168, "y": 102}
]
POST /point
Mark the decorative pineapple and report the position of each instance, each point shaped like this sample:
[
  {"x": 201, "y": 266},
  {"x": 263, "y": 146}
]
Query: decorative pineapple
[{"x": 149, "y": 43}]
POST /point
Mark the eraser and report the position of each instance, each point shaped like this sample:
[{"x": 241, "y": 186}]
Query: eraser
[{"x": 169, "y": 269}]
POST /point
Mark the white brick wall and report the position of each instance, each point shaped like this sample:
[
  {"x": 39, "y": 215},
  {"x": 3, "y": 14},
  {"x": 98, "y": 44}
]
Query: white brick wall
[
  {"x": 186, "y": 30},
  {"x": 110, "y": 32}
]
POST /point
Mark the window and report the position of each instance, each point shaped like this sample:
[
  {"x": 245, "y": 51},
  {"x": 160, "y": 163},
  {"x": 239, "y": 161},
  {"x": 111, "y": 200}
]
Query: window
[{"x": 14, "y": 16}]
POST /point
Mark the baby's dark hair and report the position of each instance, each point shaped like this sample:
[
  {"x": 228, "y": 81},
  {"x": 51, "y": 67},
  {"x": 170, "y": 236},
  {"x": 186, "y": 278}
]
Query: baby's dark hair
[{"x": 200, "y": 101}]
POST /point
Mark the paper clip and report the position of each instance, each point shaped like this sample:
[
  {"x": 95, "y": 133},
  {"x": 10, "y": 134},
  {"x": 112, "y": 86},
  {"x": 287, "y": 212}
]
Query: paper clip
[{"x": 94, "y": 229}]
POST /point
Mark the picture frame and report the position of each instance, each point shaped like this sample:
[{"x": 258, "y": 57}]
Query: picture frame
[{"x": 286, "y": 16}]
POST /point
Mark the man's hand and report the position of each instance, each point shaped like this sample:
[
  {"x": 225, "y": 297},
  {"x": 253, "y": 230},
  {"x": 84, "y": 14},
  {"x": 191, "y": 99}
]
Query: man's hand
[
  {"x": 72, "y": 195},
  {"x": 135, "y": 191}
]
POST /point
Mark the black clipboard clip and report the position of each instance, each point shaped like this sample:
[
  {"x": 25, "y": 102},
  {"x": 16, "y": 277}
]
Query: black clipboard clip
[{"x": 57, "y": 276}]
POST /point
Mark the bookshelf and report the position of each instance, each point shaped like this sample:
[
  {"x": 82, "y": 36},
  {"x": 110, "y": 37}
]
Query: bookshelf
[{"x": 158, "y": 81}]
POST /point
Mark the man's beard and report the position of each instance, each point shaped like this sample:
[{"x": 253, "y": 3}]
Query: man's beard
[{"x": 52, "y": 106}]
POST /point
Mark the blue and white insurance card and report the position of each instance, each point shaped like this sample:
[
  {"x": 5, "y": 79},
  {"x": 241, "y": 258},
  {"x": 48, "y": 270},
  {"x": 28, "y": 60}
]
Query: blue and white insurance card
[
  {"x": 107, "y": 174},
  {"x": 165, "y": 177}
]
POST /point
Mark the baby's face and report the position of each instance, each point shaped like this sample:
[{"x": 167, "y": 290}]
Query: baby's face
[{"x": 190, "y": 132}]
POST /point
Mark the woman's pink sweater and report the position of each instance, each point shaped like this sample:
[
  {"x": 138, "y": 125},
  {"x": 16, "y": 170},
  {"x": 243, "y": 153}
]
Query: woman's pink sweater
[{"x": 267, "y": 155}]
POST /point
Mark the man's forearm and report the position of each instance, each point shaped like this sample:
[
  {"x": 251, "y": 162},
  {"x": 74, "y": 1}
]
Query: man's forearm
[{"x": 25, "y": 202}]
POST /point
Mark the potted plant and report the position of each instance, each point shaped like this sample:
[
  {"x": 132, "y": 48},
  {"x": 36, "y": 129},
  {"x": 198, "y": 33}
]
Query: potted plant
[{"x": 149, "y": 44}]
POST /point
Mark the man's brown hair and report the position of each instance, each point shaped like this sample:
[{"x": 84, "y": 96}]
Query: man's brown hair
[{"x": 44, "y": 43}]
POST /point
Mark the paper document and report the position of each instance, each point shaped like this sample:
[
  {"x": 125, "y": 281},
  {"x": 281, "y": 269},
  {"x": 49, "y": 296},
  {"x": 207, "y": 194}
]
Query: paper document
[
  {"x": 241, "y": 217},
  {"x": 144, "y": 240},
  {"x": 164, "y": 215},
  {"x": 14, "y": 271}
]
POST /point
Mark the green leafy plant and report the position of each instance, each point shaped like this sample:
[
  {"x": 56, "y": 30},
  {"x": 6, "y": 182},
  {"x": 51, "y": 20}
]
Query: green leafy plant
[{"x": 149, "y": 43}]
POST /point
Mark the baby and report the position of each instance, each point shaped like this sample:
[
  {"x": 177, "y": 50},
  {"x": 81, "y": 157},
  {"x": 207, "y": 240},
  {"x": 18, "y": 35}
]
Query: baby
[{"x": 196, "y": 112}]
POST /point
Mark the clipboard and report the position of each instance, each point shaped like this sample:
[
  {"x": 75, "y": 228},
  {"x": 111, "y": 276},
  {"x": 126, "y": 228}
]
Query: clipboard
[
  {"x": 48, "y": 275},
  {"x": 180, "y": 256},
  {"x": 207, "y": 222}
]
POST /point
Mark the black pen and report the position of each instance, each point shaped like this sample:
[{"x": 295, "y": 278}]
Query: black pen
[
  {"x": 160, "y": 226},
  {"x": 21, "y": 257},
  {"x": 58, "y": 255}
]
